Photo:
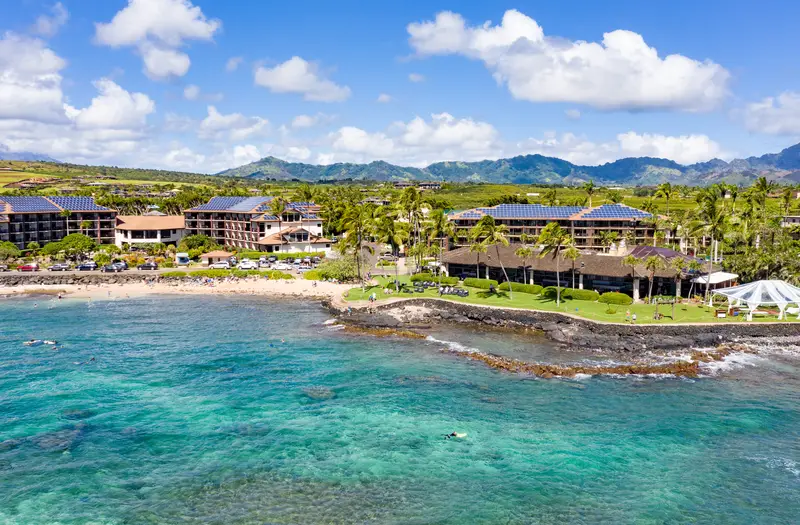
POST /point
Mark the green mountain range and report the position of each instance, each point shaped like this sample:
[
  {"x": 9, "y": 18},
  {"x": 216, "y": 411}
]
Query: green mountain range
[{"x": 538, "y": 169}]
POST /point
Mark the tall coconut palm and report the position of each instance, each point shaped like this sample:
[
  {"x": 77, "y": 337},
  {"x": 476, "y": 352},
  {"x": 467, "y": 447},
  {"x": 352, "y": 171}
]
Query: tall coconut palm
[
  {"x": 631, "y": 261},
  {"x": 550, "y": 197},
  {"x": 277, "y": 207},
  {"x": 477, "y": 247},
  {"x": 358, "y": 224},
  {"x": 652, "y": 264},
  {"x": 441, "y": 230},
  {"x": 608, "y": 238},
  {"x": 494, "y": 234},
  {"x": 66, "y": 214},
  {"x": 85, "y": 225},
  {"x": 572, "y": 253},
  {"x": 388, "y": 231},
  {"x": 553, "y": 239},
  {"x": 411, "y": 205},
  {"x": 524, "y": 253},
  {"x": 666, "y": 191},
  {"x": 303, "y": 193},
  {"x": 713, "y": 221},
  {"x": 786, "y": 198},
  {"x": 589, "y": 188},
  {"x": 677, "y": 266}
]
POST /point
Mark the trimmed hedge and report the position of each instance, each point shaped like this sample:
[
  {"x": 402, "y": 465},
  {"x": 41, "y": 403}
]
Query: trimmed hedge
[
  {"x": 210, "y": 274},
  {"x": 174, "y": 274},
  {"x": 312, "y": 275},
  {"x": 421, "y": 277},
  {"x": 534, "y": 289},
  {"x": 616, "y": 298},
  {"x": 483, "y": 284},
  {"x": 580, "y": 295},
  {"x": 275, "y": 274},
  {"x": 418, "y": 277}
]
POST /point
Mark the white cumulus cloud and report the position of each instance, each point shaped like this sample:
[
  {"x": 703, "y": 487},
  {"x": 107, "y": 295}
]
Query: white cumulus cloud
[
  {"x": 384, "y": 98},
  {"x": 233, "y": 64},
  {"x": 416, "y": 77},
  {"x": 299, "y": 76},
  {"x": 30, "y": 79},
  {"x": 621, "y": 72},
  {"x": 48, "y": 25},
  {"x": 774, "y": 115},
  {"x": 191, "y": 92},
  {"x": 233, "y": 127},
  {"x": 114, "y": 108},
  {"x": 158, "y": 28}
]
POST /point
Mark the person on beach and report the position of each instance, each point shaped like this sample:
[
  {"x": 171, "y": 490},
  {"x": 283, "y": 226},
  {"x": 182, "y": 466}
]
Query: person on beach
[
  {"x": 633, "y": 319},
  {"x": 628, "y": 315}
]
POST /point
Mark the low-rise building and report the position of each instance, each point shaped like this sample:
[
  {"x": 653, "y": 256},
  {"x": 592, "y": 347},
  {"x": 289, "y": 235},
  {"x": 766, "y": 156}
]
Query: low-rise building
[
  {"x": 147, "y": 229},
  {"x": 49, "y": 219},
  {"x": 586, "y": 225},
  {"x": 246, "y": 222},
  {"x": 214, "y": 257}
]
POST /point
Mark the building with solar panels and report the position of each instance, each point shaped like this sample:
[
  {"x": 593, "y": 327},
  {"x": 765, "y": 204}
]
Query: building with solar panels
[
  {"x": 584, "y": 224},
  {"x": 246, "y": 222},
  {"x": 49, "y": 219}
]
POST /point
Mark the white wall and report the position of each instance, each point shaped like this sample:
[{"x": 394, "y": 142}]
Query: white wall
[{"x": 126, "y": 236}]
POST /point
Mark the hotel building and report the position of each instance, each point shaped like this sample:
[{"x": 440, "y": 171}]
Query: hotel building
[
  {"x": 246, "y": 222},
  {"x": 49, "y": 219}
]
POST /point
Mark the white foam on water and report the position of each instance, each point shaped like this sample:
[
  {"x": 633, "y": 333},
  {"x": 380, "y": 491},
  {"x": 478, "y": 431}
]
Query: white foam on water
[
  {"x": 732, "y": 362},
  {"x": 454, "y": 346},
  {"x": 335, "y": 327},
  {"x": 786, "y": 464},
  {"x": 329, "y": 322}
]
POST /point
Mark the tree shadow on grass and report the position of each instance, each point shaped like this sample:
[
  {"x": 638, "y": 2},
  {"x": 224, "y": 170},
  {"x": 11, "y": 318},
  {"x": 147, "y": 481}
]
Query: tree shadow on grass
[{"x": 486, "y": 294}]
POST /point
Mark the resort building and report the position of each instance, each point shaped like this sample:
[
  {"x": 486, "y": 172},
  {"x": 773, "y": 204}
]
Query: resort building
[
  {"x": 246, "y": 222},
  {"x": 149, "y": 228},
  {"x": 215, "y": 257},
  {"x": 49, "y": 219},
  {"x": 588, "y": 226},
  {"x": 592, "y": 270}
]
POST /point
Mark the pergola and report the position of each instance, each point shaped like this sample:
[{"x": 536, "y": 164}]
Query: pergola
[
  {"x": 758, "y": 293},
  {"x": 712, "y": 279}
]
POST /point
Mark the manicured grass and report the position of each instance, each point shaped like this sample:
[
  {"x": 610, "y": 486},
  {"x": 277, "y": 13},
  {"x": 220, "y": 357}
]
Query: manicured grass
[{"x": 684, "y": 313}]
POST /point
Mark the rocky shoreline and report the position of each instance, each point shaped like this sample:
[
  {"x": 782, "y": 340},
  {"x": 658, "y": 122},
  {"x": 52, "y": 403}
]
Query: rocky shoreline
[
  {"x": 560, "y": 328},
  {"x": 87, "y": 279}
]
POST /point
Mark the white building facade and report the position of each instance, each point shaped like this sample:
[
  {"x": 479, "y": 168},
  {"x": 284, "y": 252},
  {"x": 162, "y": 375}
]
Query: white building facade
[{"x": 149, "y": 229}]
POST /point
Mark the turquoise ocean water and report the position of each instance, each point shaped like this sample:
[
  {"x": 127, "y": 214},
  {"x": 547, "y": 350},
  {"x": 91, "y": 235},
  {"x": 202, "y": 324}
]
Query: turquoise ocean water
[{"x": 232, "y": 410}]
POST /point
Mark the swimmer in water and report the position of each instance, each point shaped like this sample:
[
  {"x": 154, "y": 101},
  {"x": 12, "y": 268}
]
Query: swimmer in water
[{"x": 455, "y": 435}]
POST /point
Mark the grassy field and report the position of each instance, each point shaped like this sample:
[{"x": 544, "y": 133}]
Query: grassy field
[{"x": 684, "y": 313}]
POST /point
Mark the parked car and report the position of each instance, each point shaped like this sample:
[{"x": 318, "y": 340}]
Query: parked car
[
  {"x": 113, "y": 268},
  {"x": 89, "y": 266},
  {"x": 281, "y": 266},
  {"x": 122, "y": 263},
  {"x": 220, "y": 265},
  {"x": 247, "y": 264},
  {"x": 31, "y": 267},
  {"x": 3, "y": 268},
  {"x": 272, "y": 258},
  {"x": 264, "y": 264},
  {"x": 232, "y": 260},
  {"x": 148, "y": 266},
  {"x": 59, "y": 267}
]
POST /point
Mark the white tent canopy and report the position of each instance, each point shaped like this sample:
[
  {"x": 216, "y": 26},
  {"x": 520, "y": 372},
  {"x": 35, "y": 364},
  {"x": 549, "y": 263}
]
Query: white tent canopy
[
  {"x": 715, "y": 278},
  {"x": 755, "y": 294}
]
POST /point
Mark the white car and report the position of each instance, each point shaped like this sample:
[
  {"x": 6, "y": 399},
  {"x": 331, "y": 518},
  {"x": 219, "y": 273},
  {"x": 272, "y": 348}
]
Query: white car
[
  {"x": 247, "y": 264},
  {"x": 220, "y": 265},
  {"x": 281, "y": 266},
  {"x": 264, "y": 264}
]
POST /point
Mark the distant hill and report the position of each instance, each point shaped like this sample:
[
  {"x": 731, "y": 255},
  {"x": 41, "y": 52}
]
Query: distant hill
[
  {"x": 28, "y": 156},
  {"x": 538, "y": 169}
]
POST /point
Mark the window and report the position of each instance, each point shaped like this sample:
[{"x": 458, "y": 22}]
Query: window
[{"x": 327, "y": 245}]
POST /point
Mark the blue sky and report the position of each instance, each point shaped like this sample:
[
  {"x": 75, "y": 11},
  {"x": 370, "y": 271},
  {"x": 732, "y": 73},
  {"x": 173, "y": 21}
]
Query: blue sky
[{"x": 152, "y": 83}]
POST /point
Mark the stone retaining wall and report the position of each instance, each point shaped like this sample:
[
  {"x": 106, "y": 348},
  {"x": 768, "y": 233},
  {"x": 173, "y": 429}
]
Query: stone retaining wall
[{"x": 89, "y": 278}]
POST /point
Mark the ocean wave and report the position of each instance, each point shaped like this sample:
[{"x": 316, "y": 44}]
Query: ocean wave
[
  {"x": 454, "y": 346},
  {"x": 731, "y": 362},
  {"x": 331, "y": 321},
  {"x": 786, "y": 464}
]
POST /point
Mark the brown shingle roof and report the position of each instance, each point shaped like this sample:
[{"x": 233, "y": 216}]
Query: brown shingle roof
[
  {"x": 594, "y": 263},
  {"x": 150, "y": 222},
  {"x": 216, "y": 253}
]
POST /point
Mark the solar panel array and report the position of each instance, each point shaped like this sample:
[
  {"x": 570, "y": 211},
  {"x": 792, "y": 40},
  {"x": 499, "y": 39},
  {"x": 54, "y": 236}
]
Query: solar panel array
[
  {"x": 78, "y": 203},
  {"x": 30, "y": 204},
  {"x": 265, "y": 205},
  {"x": 310, "y": 216},
  {"x": 219, "y": 203},
  {"x": 248, "y": 204},
  {"x": 616, "y": 211},
  {"x": 531, "y": 211},
  {"x": 268, "y": 217}
]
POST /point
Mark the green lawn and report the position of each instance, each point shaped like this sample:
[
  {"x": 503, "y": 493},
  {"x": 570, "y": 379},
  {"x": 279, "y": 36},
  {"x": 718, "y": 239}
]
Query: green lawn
[{"x": 689, "y": 313}]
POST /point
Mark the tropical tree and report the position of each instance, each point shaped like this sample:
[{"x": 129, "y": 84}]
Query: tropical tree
[
  {"x": 550, "y": 197},
  {"x": 9, "y": 250},
  {"x": 786, "y": 198},
  {"x": 631, "y": 261},
  {"x": 652, "y": 264},
  {"x": 411, "y": 206},
  {"x": 277, "y": 207},
  {"x": 650, "y": 206},
  {"x": 440, "y": 229},
  {"x": 614, "y": 196},
  {"x": 553, "y": 239},
  {"x": 477, "y": 247},
  {"x": 494, "y": 234},
  {"x": 76, "y": 245},
  {"x": 712, "y": 220},
  {"x": 358, "y": 224},
  {"x": 524, "y": 252},
  {"x": 33, "y": 247},
  {"x": 388, "y": 231},
  {"x": 608, "y": 238},
  {"x": 589, "y": 188},
  {"x": 693, "y": 266},
  {"x": 572, "y": 253},
  {"x": 303, "y": 193},
  {"x": 666, "y": 191},
  {"x": 66, "y": 214}
]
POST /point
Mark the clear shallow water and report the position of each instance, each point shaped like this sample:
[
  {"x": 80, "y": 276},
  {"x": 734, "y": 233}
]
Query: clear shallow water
[{"x": 194, "y": 411}]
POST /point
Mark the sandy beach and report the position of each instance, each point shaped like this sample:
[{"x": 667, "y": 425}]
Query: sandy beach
[{"x": 274, "y": 288}]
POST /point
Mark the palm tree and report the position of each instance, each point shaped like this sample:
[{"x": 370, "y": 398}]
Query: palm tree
[
  {"x": 477, "y": 247},
  {"x": 677, "y": 265},
  {"x": 440, "y": 229},
  {"x": 553, "y": 238},
  {"x": 650, "y": 206},
  {"x": 665, "y": 190},
  {"x": 589, "y": 188},
  {"x": 524, "y": 253},
  {"x": 85, "y": 225},
  {"x": 66, "y": 214},
  {"x": 390, "y": 232},
  {"x": 411, "y": 205},
  {"x": 652, "y": 264},
  {"x": 712, "y": 220},
  {"x": 550, "y": 197},
  {"x": 303, "y": 193},
  {"x": 614, "y": 196},
  {"x": 608, "y": 238},
  {"x": 786, "y": 198},
  {"x": 357, "y": 224},
  {"x": 494, "y": 234},
  {"x": 277, "y": 207},
  {"x": 572, "y": 253},
  {"x": 631, "y": 261}
]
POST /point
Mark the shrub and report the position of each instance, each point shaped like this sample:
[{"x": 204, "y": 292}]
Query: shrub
[
  {"x": 616, "y": 298},
  {"x": 579, "y": 295},
  {"x": 275, "y": 275},
  {"x": 520, "y": 287},
  {"x": 312, "y": 275},
  {"x": 483, "y": 284},
  {"x": 210, "y": 274},
  {"x": 341, "y": 269},
  {"x": 386, "y": 264},
  {"x": 419, "y": 277},
  {"x": 174, "y": 275},
  {"x": 611, "y": 311},
  {"x": 168, "y": 263}
]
